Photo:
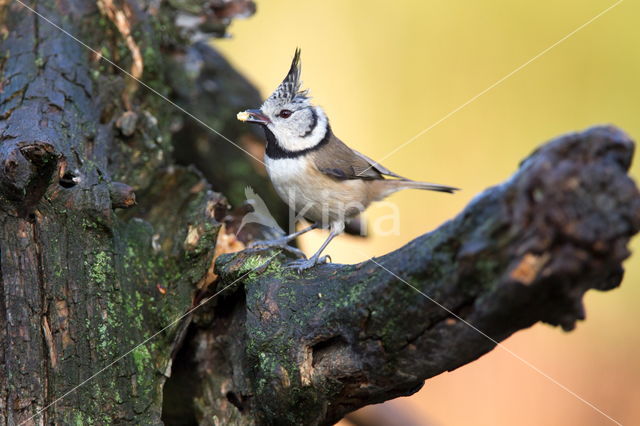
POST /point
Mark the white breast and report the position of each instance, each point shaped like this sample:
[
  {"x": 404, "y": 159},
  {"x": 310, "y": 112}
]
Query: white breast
[
  {"x": 287, "y": 174},
  {"x": 285, "y": 171},
  {"x": 312, "y": 194},
  {"x": 299, "y": 188}
]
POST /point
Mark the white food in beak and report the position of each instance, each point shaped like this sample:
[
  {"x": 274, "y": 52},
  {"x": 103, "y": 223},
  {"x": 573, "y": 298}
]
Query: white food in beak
[{"x": 243, "y": 116}]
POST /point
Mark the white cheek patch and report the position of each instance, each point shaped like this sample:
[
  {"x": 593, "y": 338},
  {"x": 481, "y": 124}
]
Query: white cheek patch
[{"x": 292, "y": 141}]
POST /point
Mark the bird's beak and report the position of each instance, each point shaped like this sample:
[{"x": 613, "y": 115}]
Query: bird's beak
[{"x": 253, "y": 116}]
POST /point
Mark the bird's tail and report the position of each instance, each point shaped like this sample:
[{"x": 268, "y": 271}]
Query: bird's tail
[{"x": 391, "y": 186}]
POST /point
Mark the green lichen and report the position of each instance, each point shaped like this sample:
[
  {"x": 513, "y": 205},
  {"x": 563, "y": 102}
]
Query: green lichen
[
  {"x": 141, "y": 359},
  {"x": 100, "y": 269},
  {"x": 79, "y": 419},
  {"x": 269, "y": 263},
  {"x": 103, "y": 337}
]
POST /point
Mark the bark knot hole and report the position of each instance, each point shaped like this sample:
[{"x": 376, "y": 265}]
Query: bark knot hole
[
  {"x": 329, "y": 349},
  {"x": 68, "y": 180},
  {"x": 235, "y": 400}
]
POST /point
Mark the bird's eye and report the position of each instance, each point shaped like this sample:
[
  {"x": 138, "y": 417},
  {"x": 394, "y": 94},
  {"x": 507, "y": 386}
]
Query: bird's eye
[{"x": 285, "y": 113}]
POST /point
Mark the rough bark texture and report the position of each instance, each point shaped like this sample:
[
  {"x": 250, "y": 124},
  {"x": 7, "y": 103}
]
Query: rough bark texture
[
  {"x": 317, "y": 346},
  {"x": 107, "y": 235},
  {"x": 82, "y": 284}
]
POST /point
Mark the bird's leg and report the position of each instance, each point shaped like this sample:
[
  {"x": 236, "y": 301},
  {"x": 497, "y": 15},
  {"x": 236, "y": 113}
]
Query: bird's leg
[
  {"x": 283, "y": 242},
  {"x": 302, "y": 264}
]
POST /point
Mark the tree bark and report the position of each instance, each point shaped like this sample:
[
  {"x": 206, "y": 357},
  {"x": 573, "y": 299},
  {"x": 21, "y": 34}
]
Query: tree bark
[
  {"x": 317, "y": 346},
  {"x": 82, "y": 283},
  {"x": 108, "y": 235}
]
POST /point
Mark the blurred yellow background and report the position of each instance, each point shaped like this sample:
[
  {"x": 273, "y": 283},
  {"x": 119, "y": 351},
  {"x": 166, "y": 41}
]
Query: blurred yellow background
[{"x": 385, "y": 71}]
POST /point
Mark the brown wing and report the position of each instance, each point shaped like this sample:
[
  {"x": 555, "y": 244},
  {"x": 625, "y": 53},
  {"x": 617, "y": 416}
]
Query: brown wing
[
  {"x": 337, "y": 160},
  {"x": 379, "y": 167}
]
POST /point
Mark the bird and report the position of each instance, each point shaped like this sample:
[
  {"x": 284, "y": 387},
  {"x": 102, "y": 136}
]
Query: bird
[{"x": 312, "y": 170}]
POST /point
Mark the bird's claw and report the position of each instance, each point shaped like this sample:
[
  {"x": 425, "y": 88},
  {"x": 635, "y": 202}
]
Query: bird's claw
[{"x": 304, "y": 264}]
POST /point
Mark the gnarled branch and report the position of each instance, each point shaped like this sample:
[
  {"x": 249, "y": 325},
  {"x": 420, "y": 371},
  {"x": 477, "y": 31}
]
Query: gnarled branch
[{"x": 315, "y": 346}]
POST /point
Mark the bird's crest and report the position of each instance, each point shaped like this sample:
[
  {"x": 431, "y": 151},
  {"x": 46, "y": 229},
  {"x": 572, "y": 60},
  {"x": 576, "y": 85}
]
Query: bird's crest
[{"x": 289, "y": 89}]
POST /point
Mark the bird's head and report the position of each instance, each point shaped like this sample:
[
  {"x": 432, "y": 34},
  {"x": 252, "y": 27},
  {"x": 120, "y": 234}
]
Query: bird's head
[{"x": 289, "y": 115}]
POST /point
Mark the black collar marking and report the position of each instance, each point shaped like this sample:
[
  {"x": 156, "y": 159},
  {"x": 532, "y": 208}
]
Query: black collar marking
[{"x": 276, "y": 152}]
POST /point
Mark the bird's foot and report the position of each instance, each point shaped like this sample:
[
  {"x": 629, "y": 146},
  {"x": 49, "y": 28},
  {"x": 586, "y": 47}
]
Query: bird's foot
[
  {"x": 281, "y": 243},
  {"x": 304, "y": 264}
]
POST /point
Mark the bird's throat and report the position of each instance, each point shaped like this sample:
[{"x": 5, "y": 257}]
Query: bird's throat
[{"x": 276, "y": 150}]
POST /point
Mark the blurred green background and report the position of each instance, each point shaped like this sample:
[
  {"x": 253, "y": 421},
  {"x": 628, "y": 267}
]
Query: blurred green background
[{"x": 385, "y": 71}]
